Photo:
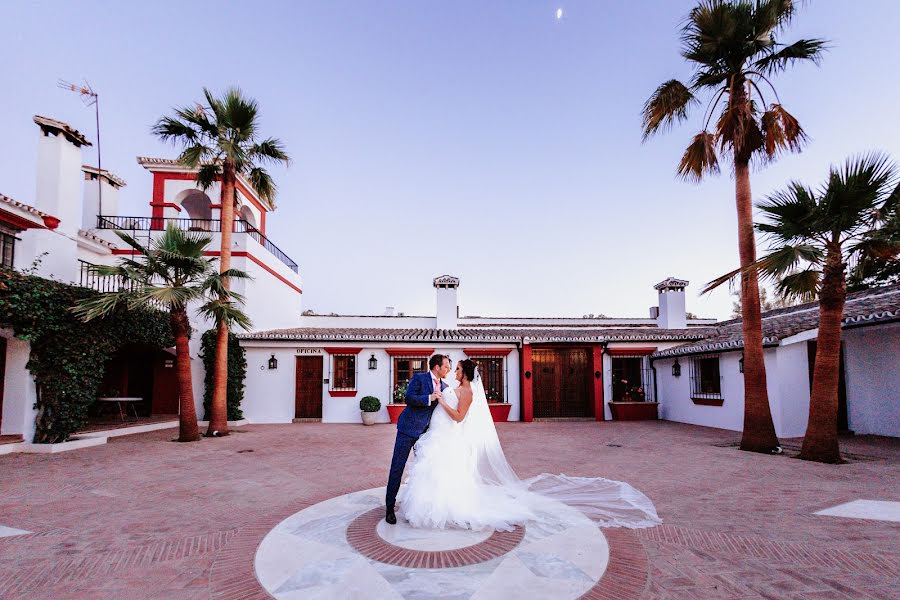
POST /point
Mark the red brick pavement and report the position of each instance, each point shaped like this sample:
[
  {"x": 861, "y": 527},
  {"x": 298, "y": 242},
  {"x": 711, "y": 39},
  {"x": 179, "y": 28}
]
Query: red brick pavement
[{"x": 142, "y": 517}]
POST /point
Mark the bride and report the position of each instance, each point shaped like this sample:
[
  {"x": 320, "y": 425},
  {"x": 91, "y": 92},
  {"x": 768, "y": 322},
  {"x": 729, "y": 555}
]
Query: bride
[{"x": 460, "y": 476}]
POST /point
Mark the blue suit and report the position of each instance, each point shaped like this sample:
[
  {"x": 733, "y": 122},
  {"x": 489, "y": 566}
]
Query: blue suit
[{"x": 413, "y": 422}]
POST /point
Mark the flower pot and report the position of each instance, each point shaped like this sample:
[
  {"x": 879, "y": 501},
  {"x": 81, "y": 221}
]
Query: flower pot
[
  {"x": 500, "y": 411},
  {"x": 369, "y": 418},
  {"x": 634, "y": 411},
  {"x": 394, "y": 411}
]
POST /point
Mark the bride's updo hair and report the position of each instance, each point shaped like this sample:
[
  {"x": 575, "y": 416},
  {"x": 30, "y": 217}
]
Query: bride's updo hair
[{"x": 468, "y": 369}]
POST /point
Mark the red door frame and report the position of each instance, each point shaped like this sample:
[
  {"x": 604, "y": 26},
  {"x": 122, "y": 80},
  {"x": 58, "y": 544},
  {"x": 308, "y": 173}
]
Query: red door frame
[{"x": 527, "y": 378}]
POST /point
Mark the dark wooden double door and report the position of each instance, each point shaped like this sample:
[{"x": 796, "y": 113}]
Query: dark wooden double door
[
  {"x": 308, "y": 399},
  {"x": 562, "y": 383}
]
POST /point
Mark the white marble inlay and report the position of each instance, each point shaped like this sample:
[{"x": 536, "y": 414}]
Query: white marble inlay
[
  {"x": 405, "y": 536},
  {"x": 307, "y": 556},
  {"x": 11, "y": 531},
  {"x": 878, "y": 510}
]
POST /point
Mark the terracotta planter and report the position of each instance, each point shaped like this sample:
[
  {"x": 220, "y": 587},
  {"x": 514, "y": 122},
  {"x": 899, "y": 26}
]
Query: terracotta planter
[
  {"x": 394, "y": 411},
  {"x": 499, "y": 411},
  {"x": 369, "y": 418},
  {"x": 634, "y": 411}
]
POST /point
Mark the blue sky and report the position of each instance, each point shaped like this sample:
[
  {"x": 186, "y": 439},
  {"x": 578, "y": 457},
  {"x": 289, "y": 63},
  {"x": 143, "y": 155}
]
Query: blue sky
[{"x": 482, "y": 139}]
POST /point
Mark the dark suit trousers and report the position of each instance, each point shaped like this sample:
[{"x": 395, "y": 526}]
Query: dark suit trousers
[{"x": 402, "y": 447}]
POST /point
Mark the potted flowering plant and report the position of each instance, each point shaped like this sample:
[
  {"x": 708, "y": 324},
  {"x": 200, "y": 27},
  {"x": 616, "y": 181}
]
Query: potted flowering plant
[
  {"x": 398, "y": 401},
  {"x": 369, "y": 405}
]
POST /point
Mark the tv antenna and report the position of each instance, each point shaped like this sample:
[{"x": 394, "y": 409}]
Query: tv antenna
[{"x": 90, "y": 98}]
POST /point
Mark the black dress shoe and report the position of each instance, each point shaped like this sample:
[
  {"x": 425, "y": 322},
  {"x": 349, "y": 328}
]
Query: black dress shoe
[{"x": 390, "y": 517}]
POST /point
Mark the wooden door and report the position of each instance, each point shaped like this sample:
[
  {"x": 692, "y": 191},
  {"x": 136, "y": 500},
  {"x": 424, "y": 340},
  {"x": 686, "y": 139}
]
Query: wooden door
[
  {"x": 165, "y": 386},
  {"x": 562, "y": 382},
  {"x": 308, "y": 400}
]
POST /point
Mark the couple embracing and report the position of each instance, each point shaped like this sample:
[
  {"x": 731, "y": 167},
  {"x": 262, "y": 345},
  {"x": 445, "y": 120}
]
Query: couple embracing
[{"x": 460, "y": 477}]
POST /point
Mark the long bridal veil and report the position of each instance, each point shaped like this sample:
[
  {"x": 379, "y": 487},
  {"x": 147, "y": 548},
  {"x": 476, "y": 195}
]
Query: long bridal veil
[{"x": 608, "y": 503}]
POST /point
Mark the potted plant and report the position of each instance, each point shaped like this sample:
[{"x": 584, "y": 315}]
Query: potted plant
[
  {"x": 369, "y": 405},
  {"x": 398, "y": 402}
]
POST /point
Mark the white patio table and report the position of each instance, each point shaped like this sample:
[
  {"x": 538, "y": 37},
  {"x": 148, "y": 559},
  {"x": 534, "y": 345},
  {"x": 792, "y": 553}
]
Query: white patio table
[{"x": 120, "y": 400}]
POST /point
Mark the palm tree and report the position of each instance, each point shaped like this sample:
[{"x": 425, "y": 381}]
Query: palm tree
[
  {"x": 816, "y": 235},
  {"x": 733, "y": 49},
  {"x": 221, "y": 140},
  {"x": 170, "y": 273}
]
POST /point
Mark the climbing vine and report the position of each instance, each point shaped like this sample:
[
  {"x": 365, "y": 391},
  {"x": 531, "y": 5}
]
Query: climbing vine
[
  {"x": 68, "y": 356},
  {"x": 237, "y": 372}
]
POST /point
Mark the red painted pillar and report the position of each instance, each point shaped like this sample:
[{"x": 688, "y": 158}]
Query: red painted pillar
[
  {"x": 597, "y": 353},
  {"x": 527, "y": 377},
  {"x": 159, "y": 196}
]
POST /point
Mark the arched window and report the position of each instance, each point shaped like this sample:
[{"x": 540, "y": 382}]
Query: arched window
[
  {"x": 247, "y": 215},
  {"x": 198, "y": 208}
]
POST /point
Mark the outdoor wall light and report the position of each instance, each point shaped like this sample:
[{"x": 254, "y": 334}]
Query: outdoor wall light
[
  {"x": 676, "y": 369},
  {"x": 527, "y": 374},
  {"x": 597, "y": 374},
  {"x": 273, "y": 362},
  {"x": 373, "y": 363},
  {"x": 741, "y": 363}
]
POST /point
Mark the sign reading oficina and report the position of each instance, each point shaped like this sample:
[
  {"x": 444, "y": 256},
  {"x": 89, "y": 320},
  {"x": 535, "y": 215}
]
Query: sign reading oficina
[{"x": 309, "y": 351}]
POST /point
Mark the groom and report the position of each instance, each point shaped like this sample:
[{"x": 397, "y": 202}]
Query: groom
[{"x": 422, "y": 395}]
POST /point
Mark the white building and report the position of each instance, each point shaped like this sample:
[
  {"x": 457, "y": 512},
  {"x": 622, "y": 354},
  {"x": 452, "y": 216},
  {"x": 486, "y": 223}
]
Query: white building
[{"x": 318, "y": 367}]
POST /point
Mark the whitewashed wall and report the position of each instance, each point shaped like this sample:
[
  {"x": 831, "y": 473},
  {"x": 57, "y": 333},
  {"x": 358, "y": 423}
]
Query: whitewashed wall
[
  {"x": 872, "y": 370},
  {"x": 790, "y": 405},
  {"x": 269, "y": 395},
  {"x": 19, "y": 394}
]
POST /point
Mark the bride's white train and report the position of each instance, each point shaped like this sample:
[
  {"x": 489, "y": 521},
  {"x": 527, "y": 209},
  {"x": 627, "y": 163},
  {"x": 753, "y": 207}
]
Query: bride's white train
[{"x": 461, "y": 478}]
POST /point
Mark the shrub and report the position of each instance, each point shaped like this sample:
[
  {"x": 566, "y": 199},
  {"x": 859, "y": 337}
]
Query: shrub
[{"x": 370, "y": 404}]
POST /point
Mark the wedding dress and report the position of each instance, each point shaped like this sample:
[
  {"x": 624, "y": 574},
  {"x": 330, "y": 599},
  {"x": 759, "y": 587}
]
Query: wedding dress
[{"x": 461, "y": 478}]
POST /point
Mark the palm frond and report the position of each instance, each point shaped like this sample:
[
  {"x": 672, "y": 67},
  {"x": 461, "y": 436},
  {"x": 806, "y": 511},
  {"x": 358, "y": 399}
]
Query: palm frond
[
  {"x": 218, "y": 311},
  {"x": 668, "y": 105},
  {"x": 802, "y": 285},
  {"x": 171, "y": 129},
  {"x": 239, "y": 115},
  {"x": 699, "y": 158},
  {"x": 855, "y": 191},
  {"x": 196, "y": 154},
  {"x": 100, "y": 306},
  {"x": 781, "y": 131},
  {"x": 737, "y": 129},
  {"x": 270, "y": 150},
  {"x": 792, "y": 214},
  {"x": 776, "y": 61},
  {"x": 208, "y": 175},
  {"x": 264, "y": 185}
]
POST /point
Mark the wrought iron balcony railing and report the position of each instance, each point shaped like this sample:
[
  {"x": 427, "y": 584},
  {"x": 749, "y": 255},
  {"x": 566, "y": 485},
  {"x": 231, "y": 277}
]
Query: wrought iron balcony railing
[
  {"x": 207, "y": 225},
  {"x": 89, "y": 278}
]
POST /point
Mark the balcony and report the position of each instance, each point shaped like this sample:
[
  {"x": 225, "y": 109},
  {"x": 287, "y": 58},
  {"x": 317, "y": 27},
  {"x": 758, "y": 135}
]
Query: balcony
[
  {"x": 89, "y": 278},
  {"x": 148, "y": 224}
]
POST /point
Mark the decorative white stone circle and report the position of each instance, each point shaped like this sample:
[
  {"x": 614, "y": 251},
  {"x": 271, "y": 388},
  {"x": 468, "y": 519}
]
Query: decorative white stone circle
[{"x": 308, "y": 556}]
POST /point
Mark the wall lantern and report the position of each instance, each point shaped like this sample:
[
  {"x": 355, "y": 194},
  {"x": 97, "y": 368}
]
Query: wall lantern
[
  {"x": 597, "y": 374},
  {"x": 373, "y": 363},
  {"x": 676, "y": 369},
  {"x": 741, "y": 363},
  {"x": 273, "y": 362},
  {"x": 527, "y": 374}
]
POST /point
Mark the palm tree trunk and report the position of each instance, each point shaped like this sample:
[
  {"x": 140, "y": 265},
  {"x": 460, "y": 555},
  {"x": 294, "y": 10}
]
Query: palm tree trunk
[
  {"x": 759, "y": 430},
  {"x": 821, "y": 442},
  {"x": 187, "y": 414},
  {"x": 218, "y": 418}
]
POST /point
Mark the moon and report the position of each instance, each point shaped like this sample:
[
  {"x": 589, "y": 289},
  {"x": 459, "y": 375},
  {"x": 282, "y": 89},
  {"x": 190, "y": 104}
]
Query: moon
[{"x": 558, "y": 14}]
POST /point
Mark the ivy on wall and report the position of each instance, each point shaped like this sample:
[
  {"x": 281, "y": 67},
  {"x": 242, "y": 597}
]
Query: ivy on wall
[
  {"x": 68, "y": 356},
  {"x": 237, "y": 372}
]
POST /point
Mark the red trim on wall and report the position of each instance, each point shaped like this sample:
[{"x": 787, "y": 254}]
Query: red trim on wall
[
  {"x": 409, "y": 351},
  {"x": 165, "y": 205},
  {"x": 487, "y": 351},
  {"x": 341, "y": 394},
  {"x": 597, "y": 355},
  {"x": 51, "y": 222},
  {"x": 527, "y": 391},
  {"x": 216, "y": 206},
  {"x": 238, "y": 253},
  {"x": 262, "y": 223},
  {"x": 342, "y": 351},
  {"x": 21, "y": 223},
  {"x": 630, "y": 351},
  {"x": 708, "y": 401}
]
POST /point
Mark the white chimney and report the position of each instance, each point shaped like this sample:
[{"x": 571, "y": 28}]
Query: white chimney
[
  {"x": 447, "y": 307},
  {"x": 59, "y": 173},
  {"x": 388, "y": 311},
  {"x": 95, "y": 202},
  {"x": 671, "y": 311}
]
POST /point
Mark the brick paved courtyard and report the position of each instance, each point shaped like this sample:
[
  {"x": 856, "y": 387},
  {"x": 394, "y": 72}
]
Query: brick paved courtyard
[{"x": 146, "y": 518}]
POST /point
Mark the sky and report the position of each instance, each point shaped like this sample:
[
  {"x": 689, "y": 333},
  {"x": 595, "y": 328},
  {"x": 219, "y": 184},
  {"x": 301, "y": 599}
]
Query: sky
[{"x": 488, "y": 140}]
